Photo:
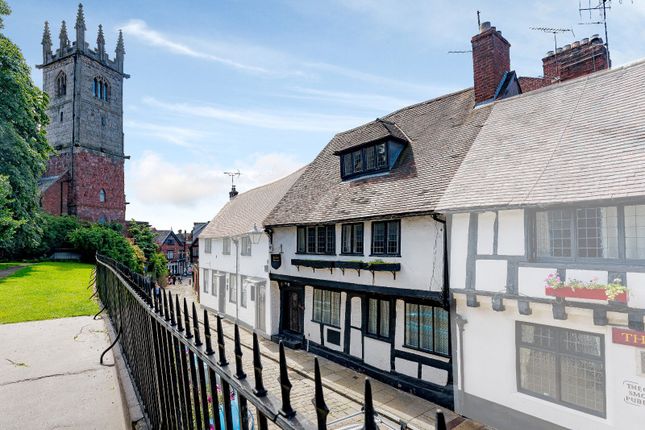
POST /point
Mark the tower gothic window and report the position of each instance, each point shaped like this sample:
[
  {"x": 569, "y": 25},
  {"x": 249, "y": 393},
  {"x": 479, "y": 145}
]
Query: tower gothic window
[
  {"x": 61, "y": 84},
  {"x": 101, "y": 89},
  {"x": 102, "y": 196}
]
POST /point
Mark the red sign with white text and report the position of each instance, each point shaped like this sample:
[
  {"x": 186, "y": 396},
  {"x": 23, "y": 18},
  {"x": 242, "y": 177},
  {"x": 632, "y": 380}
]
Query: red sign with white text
[{"x": 628, "y": 337}]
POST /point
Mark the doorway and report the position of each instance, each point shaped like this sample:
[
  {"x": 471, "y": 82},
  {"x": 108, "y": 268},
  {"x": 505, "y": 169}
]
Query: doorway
[
  {"x": 260, "y": 306},
  {"x": 293, "y": 310}
]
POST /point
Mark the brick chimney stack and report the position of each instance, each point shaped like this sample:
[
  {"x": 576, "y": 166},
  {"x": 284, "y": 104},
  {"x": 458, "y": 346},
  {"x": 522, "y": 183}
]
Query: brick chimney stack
[
  {"x": 491, "y": 60},
  {"x": 576, "y": 59}
]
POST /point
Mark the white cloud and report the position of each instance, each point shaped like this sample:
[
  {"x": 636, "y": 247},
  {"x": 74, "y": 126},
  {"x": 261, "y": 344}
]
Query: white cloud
[
  {"x": 374, "y": 102},
  {"x": 168, "y": 193},
  {"x": 179, "y": 136},
  {"x": 140, "y": 29},
  {"x": 288, "y": 120}
]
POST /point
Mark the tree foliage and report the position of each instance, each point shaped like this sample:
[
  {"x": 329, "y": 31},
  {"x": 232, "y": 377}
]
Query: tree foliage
[
  {"x": 8, "y": 224},
  {"x": 56, "y": 231},
  {"x": 144, "y": 238},
  {"x": 98, "y": 238},
  {"x": 23, "y": 145}
]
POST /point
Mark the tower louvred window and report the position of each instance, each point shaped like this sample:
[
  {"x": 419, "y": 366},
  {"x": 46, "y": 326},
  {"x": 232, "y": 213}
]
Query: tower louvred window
[
  {"x": 101, "y": 89},
  {"x": 61, "y": 84}
]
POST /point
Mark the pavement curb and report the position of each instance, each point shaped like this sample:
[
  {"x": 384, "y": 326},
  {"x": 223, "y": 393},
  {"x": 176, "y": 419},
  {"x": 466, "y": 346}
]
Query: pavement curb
[{"x": 132, "y": 411}]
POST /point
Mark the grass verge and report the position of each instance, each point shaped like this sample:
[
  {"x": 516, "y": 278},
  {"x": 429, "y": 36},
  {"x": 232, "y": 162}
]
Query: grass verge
[{"x": 45, "y": 291}]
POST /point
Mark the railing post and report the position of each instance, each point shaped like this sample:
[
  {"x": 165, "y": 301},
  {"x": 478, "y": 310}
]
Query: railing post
[
  {"x": 368, "y": 408},
  {"x": 319, "y": 401},
  {"x": 189, "y": 335},
  {"x": 198, "y": 337},
  {"x": 259, "y": 389},
  {"x": 239, "y": 372},
  {"x": 285, "y": 386},
  {"x": 172, "y": 310},
  {"x": 207, "y": 334},
  {"x": 180, "y": 326},
  {"x": 220, "y": 343},
  {"x": 166, "y": 314},
  {"x": 440, "y": 420}
]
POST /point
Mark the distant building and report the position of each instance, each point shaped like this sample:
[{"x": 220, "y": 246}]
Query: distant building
[
  {"x": 234, "y": 271},
  {"x": 85, "y": 87},
  {"x": 193, "y": 247},
  {"x": 173, "y": 246}
]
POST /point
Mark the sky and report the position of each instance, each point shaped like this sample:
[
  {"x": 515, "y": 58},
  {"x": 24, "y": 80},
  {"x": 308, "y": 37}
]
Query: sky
[{"x": 262, "y": 86}]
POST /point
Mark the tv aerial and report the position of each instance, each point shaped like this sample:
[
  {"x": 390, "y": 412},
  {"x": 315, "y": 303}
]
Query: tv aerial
[{"x": 233, "y": 174}]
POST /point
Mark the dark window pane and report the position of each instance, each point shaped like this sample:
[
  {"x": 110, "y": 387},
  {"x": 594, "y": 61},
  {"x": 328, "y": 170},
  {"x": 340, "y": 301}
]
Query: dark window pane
[
  {"x": 426, "y": 340},
  {"x": 378, "y": 238},
  {"x": 358, "y": 161},
  {"x": 311, "y": 239},
  {"x": 347, "y": 164},
  {"x": 358, "y": 238},
  {"x": 441, "y": 332},
  {"x": 322, "y": 234},
  {"x": 302, "y": 240},
  {"x": 331, "y": 239},
  {"x": 412, "y": 325},
  {"x": 347, "y": 239},
  {"x": 381, "y": 156},
  {"x": 370, "y": 158},
  {"x": 384, "y": 326},
  {"x": 372, "y": 317},
  {"x": 393, "y": 237}
]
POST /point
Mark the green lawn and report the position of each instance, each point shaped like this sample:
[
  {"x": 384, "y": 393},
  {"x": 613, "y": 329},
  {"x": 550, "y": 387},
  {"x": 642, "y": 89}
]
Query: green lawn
[{"x": 45, "y": 291}]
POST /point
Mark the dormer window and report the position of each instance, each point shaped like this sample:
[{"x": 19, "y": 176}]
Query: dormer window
[{"x": 369, "y": 159}]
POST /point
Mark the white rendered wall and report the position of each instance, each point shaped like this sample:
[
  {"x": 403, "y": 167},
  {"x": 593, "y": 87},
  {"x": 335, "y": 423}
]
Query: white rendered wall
[
  {"x": 490, "y": 275},
  {"x": 510, "y": 239},
  {"x": 254, "y": 266},
  {"x": 486, "y": 232},
  {"x": 489, "y": 356},
  {"x": 458, "y": 250},
  {"x": 421, "y": 257}
]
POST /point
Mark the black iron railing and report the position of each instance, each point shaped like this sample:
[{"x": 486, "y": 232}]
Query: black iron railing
[{"x": 179, "y": 381}]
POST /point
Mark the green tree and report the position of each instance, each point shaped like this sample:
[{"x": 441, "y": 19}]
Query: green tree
[
  {"x": 8, "y": 224},
  {"x": 23, "y": 145},
  {"x": 144, "y": 238},
  {"x": 56, "y": 231},
  {"x": 106, "y": 241}
]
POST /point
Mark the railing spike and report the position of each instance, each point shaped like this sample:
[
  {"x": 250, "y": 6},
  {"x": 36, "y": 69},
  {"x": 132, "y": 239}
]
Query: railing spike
[
  {"x": 220, "y": 343},
  {"x": 239, "y": 371},
  {"x": 368, "y": 408},
  {"x": 189, "y": 335},
  {"x": 285, "y": 386},
  {"x": 207, "y": 334},
  {"x": 440, "y": 420},
  {"x": 172, "y": 310},
  {"x": 319, "y": 400},
  {"x": 259, "y": 389},
  {"x": 156, "y": 298},
  {"x": 180, "y": 326},
  {"x": 198, "y": 337}
]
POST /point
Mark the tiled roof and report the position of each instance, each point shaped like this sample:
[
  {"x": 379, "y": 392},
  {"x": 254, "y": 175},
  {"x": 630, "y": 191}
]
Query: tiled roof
[
  {"x": 198, "y": 227},
  {"x": 161, "y": 236},
  {"x": 47, "y": 181},
  {"x": 439, "y": 132},
  {"x": 247, "y": 209},
  {"x": 580, "y": 140}
]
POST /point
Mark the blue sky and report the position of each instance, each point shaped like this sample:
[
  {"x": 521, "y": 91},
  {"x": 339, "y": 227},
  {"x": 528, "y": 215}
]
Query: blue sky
[{"x": 261, "y": 86}]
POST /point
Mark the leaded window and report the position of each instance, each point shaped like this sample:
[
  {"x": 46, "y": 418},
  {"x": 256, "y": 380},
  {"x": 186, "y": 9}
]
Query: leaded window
[
  {"x": 580, "y": 232},
  {"x": 427, "y": 328},
  {"x": 352, "y": 239},
  {"x": 386, "y": 238},
  {"x": 226, "y": 246},
  {"x": 207, "y": 245},
  {"x": 378, "y": 317},
  {"x": 366, "y": 160},
  {"x": 245, "y": 246},
  {"x": 635, "y": 232},
  {"x": 326, "y": 307},
  {"x": 562, "y": 366},
  {"x": 232, "y": 288},
  {"x": 319, "y": 239}
]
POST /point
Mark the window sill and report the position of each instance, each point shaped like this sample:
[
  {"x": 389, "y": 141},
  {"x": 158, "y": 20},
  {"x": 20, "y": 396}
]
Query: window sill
[
  {"x": 316, "y": 253},
  {"x": 385, "y": 255},
  {"x": 425, "y": 351},
  {"x": 342, "y": 254},
  {"x": 376, "y": 337},
  {"x": 337, "y": 327}
]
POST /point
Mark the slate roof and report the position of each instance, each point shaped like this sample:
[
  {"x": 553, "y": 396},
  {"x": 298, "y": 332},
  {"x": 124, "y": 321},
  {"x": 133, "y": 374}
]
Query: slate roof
[
  {"x": 161, "y": 236},
  {"x": 198, "y": 227},
  {"x": 439, "y": 133},
  {"x": 238, "y": 216},
  {"x": 580, "y": 140},
  {"x": 47, "y": 181}
]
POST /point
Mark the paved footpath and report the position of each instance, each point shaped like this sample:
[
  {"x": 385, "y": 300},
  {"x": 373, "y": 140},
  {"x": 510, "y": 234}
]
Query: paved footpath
[
  {"x": 50, "y": 376},
  {"x": 343, "y": 387}
]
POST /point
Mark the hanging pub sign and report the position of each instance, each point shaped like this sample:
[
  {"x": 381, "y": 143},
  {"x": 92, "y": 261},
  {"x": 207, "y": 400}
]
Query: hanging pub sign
[
  {"x": 276, "y": 260},
  {"x": 628, "y": 337}
]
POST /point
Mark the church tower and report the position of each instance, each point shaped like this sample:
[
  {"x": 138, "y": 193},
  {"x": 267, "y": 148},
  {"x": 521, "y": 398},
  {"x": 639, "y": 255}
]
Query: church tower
[{"x": 85, "y": 177}]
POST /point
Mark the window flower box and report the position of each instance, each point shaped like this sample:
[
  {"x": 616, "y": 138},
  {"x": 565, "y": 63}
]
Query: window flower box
[
  {"x": 614, "y": 291},
  {"x": 314, "y": 264},
  {"x": 356, "y": 265},
  {"x": 383, "y": 267}
]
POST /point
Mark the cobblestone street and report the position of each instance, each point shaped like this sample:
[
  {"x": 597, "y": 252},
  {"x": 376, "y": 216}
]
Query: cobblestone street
[{"x": 343, "y": 387}]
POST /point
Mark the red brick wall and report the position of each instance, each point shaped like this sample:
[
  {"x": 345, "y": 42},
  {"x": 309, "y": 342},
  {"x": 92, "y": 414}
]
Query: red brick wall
[
  {"x": 93, "y": 172},
  {"x": 491, "y": 59},
  {"x": 54, "y": 199},
  {"x": 529, "y": 83},
  {"x": 577, "y": 60}
]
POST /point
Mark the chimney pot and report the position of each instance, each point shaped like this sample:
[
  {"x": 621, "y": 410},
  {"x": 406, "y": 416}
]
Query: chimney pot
[
  {"x": 566, "y": 47},
  {"x": 558, "y": 51},
  {"x": 584, "y": 41},
  {"x": 575, "y": 44},
  {"x": 484, "y": 26},
  {"x": 548, "y": 54}
]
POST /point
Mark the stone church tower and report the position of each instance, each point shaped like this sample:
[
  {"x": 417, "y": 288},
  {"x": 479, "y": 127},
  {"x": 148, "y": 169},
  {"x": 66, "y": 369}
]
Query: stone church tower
[{"x": 85, "y": 177}]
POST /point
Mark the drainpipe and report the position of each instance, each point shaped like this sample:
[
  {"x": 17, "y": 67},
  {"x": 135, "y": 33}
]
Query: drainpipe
[{"x": 446, "y": 277}]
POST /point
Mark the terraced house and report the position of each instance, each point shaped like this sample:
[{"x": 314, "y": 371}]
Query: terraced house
[
  {"x": 547, "y": 223},
  {"x": 234, "y": 258}
]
